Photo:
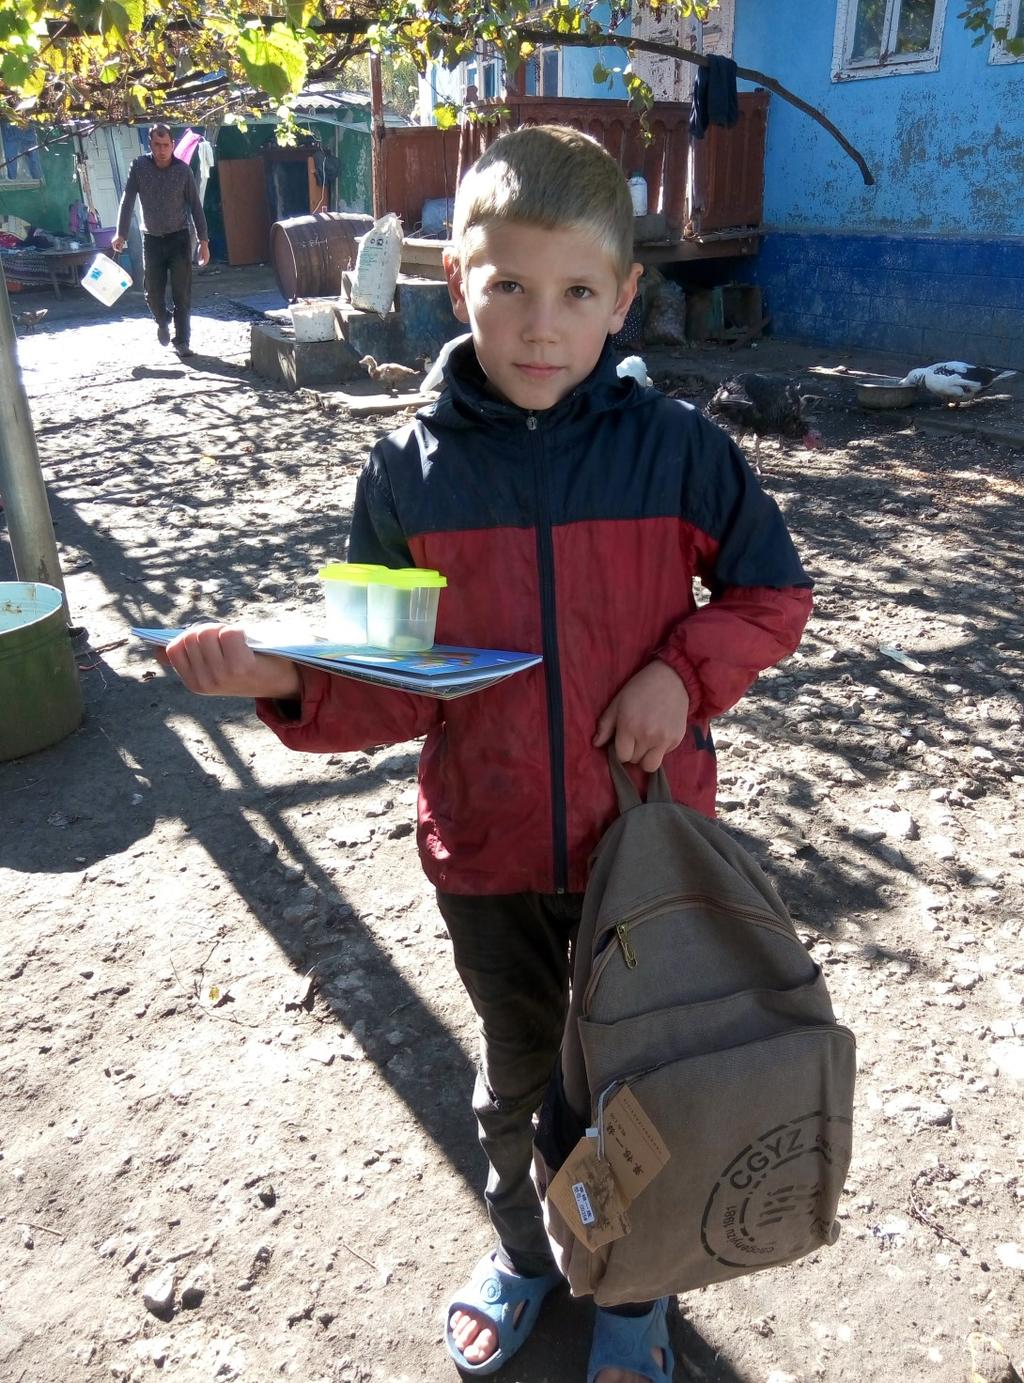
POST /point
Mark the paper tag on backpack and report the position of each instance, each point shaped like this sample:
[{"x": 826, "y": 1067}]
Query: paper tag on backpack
[
  {"x": 586, "y": 1195},
  {"x": 632, "y": 1145}
]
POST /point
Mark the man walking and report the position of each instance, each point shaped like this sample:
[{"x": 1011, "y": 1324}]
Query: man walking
[{"x": 169, "y": 196}]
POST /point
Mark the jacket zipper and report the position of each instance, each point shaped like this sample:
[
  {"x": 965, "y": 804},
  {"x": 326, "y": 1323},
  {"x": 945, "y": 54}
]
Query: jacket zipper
[{"x": 553, "y": 681}]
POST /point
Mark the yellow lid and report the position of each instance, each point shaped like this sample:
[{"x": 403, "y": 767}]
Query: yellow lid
[
  {"x": 357, "y": 573},
  {"x": 408, "y": 578}
]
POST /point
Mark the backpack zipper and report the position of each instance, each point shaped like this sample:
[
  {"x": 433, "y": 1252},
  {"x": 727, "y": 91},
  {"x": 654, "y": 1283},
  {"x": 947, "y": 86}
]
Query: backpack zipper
[
  {"x": 628, "y": 954},
  {"x": 651, "y": 910},
  {"x": 655, "y": 907}
]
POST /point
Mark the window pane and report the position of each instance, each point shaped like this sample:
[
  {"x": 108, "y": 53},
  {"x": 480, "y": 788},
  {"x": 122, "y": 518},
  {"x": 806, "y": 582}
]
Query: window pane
[
  {"x": 1017, "y": 30},
  {"x": 869, "y": 30},
  {"x": 914, "y": 28},
  {"x": 549, "y": 76}
]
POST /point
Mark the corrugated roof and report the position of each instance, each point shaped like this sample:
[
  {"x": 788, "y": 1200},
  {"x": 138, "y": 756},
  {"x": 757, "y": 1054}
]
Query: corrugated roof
[{"x": 344, "y": 100}]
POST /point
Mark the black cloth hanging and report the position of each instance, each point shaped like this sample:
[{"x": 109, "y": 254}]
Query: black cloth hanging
[{"x": 714, "y": 96}]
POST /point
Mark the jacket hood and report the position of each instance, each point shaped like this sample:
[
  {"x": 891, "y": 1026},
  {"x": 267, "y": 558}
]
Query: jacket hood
[{"x": 466, "y": 398}]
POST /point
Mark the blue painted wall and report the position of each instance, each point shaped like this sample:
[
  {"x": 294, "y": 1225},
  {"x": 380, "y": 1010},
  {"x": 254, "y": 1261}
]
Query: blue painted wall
[
  {"x": 933, "y": 254},
  {"x": 945, "y": 298},
  {"x": 946, "y": 147}
]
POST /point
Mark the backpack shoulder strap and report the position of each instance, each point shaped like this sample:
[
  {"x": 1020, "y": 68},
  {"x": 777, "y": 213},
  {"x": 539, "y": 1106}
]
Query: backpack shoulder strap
[{"x": 573, "y": 1068}]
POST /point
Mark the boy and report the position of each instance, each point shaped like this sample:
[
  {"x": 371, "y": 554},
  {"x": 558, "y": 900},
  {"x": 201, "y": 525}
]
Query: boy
[{"x": 570, "y": 511}]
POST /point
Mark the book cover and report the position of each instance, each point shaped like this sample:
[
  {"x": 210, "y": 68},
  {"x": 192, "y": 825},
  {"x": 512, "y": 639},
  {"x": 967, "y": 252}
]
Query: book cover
[{"x": 443, "y": 671}]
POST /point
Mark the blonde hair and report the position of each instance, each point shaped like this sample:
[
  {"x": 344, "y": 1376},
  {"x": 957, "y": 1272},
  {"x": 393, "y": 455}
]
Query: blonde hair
[{"x": 550, "y": 176}]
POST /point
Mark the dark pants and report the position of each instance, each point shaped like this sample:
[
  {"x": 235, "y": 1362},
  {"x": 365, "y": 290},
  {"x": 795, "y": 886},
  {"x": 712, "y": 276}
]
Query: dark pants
[
  {"x": 512, "y": 952},
  {"x": 166, "y": 256}
]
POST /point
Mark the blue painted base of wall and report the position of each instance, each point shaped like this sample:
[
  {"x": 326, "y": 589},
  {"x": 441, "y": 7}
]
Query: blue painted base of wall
[{"x": 928, "y": 298}]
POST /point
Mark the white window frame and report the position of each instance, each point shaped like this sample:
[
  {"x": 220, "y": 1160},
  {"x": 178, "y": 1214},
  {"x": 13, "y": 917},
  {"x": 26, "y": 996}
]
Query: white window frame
[
  {"x": 1007, "y": 14},
  {"x": 9, "y": 175},
  {"x": 845, "y": 68},
  {"x": 485, "y": 57}
]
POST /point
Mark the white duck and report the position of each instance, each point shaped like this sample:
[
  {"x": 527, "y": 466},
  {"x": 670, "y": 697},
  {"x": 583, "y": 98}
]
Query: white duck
[
  {"x": 433, "y": 380},
  {"x": 955, "y": 380},
  {"x": 632, "y": 367}
]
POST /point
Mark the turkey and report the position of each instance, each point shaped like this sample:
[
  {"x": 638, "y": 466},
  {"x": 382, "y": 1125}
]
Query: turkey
[
  {"x": 955, "y": 380},
  {"x": 765, "y": 405}
]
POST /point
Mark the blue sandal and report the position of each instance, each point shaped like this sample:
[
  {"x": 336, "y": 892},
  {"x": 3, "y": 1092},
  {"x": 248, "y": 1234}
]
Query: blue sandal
[
  {"x": 625, "y": 1342},
  {"x": 498, "y": 1295}
]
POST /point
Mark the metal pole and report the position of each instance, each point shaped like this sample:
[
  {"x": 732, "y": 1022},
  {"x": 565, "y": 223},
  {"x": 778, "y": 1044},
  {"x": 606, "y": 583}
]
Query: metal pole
[{"x": 21, "y": 479}]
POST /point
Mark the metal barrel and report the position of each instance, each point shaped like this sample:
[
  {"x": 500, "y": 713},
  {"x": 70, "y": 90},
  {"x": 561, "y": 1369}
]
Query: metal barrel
[
  {"x": 40, "y": 696},
  {"x": 308, "y": 253}
]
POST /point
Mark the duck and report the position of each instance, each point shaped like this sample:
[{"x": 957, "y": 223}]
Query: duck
[
  {"x": 632, "y": 367},
  {"x": 392, "y": 376},
  {"x": 434, "y": 378},
  {"x": 955, "y": 380},
  {"x": 30, "y": 318}
]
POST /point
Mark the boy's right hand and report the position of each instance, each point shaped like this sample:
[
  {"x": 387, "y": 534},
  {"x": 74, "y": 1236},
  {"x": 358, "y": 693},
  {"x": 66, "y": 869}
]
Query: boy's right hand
[{"x": 215, "y": 660}]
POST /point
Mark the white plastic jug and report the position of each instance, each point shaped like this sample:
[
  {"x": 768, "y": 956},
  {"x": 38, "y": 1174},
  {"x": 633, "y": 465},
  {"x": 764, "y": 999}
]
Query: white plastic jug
[
  {"x": 106, "y": 280},
  {"x": 638, "y": 193}
]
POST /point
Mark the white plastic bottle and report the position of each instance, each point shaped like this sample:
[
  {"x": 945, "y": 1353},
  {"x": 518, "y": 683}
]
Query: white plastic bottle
[{"x": 638, "y": 192}]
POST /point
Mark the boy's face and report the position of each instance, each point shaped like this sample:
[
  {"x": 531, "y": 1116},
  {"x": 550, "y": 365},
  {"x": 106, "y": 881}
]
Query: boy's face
[{"x": 540, "y": 304}]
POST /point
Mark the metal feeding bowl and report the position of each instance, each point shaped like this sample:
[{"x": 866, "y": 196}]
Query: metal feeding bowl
[{"x": 886, "y": 393}]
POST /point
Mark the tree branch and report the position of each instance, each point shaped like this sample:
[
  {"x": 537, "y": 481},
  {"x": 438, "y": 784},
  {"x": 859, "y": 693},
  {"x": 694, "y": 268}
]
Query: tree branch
[
  {"x": 669, "y": 50},
  {"x": 355, "y": 27}
]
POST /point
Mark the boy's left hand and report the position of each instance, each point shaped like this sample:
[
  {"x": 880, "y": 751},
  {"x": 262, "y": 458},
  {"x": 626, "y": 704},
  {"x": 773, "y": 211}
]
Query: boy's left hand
[{"x": 647, "y": 717}]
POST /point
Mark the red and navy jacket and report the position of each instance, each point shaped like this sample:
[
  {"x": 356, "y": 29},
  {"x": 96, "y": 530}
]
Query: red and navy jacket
[{"x": 576, "y": 533}]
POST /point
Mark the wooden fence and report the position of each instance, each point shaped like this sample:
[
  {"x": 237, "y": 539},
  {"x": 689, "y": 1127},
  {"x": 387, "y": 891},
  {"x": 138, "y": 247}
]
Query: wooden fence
[{"x": 714, "y": 184}]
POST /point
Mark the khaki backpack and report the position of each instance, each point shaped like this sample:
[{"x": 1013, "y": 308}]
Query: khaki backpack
[{"x": 698, "y": 1126}]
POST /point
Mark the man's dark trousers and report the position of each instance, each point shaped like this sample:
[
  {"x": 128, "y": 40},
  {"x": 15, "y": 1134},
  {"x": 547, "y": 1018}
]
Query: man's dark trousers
[{"x": 166, "y": 256}]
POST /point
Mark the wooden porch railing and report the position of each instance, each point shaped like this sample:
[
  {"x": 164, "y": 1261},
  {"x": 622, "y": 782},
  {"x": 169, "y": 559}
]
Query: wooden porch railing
[{"x": 714, "y": 184}]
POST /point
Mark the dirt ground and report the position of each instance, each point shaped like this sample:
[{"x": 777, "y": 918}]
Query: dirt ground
[{"x": 235, "y": 1064}]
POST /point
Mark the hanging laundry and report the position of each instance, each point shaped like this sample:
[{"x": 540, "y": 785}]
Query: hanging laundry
[
  {"x": 714, "y": 96},
  {"x": 206, "y": 160},
  {"x": 187, "y": 145}
]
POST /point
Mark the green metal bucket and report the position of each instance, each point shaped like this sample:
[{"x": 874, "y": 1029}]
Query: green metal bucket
[{"x": 40, "y": 698}]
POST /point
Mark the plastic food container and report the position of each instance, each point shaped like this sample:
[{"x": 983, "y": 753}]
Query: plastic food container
[
  {"x": 344, "y": 585},
  {"x": 401, "y": 609}
]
